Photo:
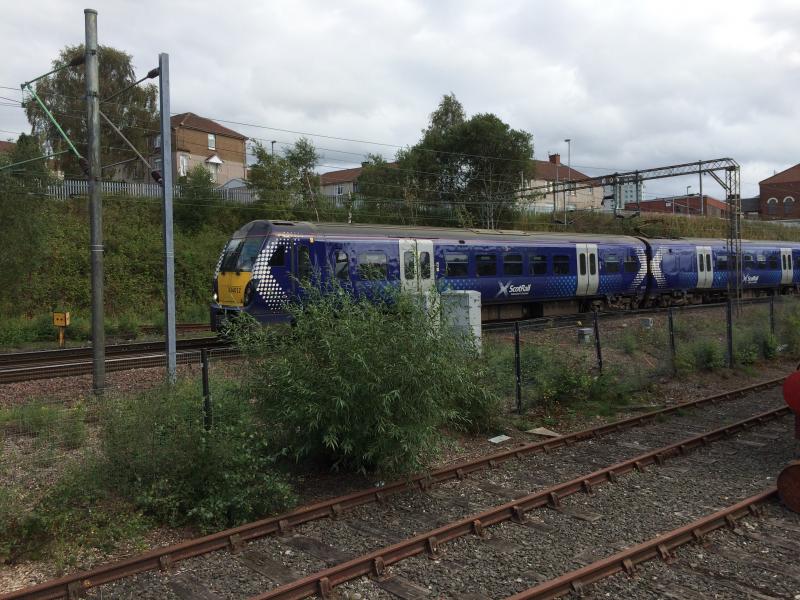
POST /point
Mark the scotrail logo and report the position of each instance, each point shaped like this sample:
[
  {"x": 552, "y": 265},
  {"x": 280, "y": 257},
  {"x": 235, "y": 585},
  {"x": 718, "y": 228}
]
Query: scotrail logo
[
  {"x": 507, "y": 289},
  {"x": 750, "y": 279}
]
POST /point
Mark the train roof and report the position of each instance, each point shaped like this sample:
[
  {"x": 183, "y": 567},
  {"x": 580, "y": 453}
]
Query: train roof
[
  {"x": 304, "y": 228},
  {"x": 264, "y": 227}
]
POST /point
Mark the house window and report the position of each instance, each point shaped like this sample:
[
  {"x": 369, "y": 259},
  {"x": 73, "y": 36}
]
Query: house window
[
  {"x": 772, "y": 206},
  {"x": 212, "y": 141},
  {"x": 157, "y": 141},
  {"x": 355, "y": 187},
  {"x": 157, "y": 164},
  {"x": 339, "y": 190},
  {"x": 788, "y": 205},
  {"x": 183, "y": 165},
  {"x": 214, "y": 170}
]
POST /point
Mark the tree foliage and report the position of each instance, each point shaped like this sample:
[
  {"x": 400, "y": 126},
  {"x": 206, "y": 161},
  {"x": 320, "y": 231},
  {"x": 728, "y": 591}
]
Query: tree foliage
[
  {"x": 338, "y": 393},
  {"x": 286, "y": 185},
  {"x": 134, "y": 111},
  {"x": 197, "y": 200},
  {"x": 473, "y": 166}
]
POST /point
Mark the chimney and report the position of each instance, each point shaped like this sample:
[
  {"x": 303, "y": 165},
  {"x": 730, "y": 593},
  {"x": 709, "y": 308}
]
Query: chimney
[{"x": 555, "y": 159}]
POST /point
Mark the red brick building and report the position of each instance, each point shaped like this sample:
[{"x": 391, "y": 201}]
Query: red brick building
[
  {"x": 690, "y": 205},
  {"x": 780, "y": 195}
]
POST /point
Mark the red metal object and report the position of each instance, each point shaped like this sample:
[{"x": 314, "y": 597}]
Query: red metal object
[
  {"x": 658, "y": 547},
  {"x": 791, "y": 391},
  {"x": 789, "y": 486}
]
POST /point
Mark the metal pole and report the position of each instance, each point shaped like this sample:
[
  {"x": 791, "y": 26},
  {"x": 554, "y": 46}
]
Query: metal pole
[
  {"x": 597, "y": 347},
  {"x": 772, "y": 315},
  {"x": 517, "y": 368},
  {"x": 166, "y": 191},
  {"x": 207, "y": 414},
  {"x": 729, "y": 319},
  {"x": 700, "y": 176},
  {"x": 95, "y": 203},
  {"x": 672, "y": 350},
  {"x": 569, "y": 177}
]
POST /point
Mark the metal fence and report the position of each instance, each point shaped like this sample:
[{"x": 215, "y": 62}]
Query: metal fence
[{"x": 70, "y": 188}]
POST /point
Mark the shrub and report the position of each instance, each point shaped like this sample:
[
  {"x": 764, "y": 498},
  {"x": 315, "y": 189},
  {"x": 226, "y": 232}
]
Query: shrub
[
  {"x": 158, "y": 453},
  {"x": 365, "y": 385},
  {"x": 701, "y": 354}
]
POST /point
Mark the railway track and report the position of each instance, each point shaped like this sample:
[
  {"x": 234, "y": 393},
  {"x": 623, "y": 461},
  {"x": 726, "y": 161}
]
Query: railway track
[
  {"x": 391, "y": 523},
  {"x": 46, "y": 364}
]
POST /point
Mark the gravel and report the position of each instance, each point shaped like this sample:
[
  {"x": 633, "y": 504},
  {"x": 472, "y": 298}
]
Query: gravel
[{"x": 513, "y": 557}]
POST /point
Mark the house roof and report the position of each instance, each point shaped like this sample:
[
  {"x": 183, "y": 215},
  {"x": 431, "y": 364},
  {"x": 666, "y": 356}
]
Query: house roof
[
  {"x": 342, "y": 176},
  {"x": 7, "y": 146},
  {"x": 190, "y": 120},
  {"x": 790, "y": 175},
  {"x": 548, "y": 171}
]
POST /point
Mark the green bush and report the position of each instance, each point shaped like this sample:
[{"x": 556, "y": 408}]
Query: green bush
[
  {"x": 159, "y": 454},
  {"x": 699, "y": 355},
  {"x": 365, "y": 385}
]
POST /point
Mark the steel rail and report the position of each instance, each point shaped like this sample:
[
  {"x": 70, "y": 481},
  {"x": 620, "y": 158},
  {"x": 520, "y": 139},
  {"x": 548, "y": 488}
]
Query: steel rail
[
  {"x": 77, "y": 361},
  {"x": 161, "y": 558},
  {"x": 658, "y": 547},
  {"x": 375, "y": 563}
]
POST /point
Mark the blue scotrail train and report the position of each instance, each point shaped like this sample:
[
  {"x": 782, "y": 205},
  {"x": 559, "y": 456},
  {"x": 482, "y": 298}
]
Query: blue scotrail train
[{"x": 518, "y": 274}]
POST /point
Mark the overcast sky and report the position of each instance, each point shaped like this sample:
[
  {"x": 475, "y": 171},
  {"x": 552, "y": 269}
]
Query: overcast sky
[{"x": 634, "y": 84}]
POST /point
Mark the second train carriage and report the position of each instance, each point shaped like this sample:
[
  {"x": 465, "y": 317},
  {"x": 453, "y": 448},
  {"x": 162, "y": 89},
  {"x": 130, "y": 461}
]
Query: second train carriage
[{"x": 518, "y": 274}]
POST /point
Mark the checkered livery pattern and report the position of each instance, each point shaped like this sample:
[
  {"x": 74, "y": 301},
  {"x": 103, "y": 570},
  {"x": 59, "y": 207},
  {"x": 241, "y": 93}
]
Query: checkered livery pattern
[{"x": 267, "y": 286}]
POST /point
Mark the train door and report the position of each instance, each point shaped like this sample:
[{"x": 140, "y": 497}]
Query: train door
[
  {"x": 587, "y": 269},
  {"x": 416, "y": 265},
  {"x": 787, "y": 266},
  {"x": 705, "y": 267}
]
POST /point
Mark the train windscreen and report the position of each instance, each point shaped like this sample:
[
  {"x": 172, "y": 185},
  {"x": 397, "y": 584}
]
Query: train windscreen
[{"x": 240, "y": 254}]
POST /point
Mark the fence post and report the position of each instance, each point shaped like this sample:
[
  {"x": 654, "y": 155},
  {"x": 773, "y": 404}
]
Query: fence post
[
  {"x": 517, "y": 368},
  {"x": 672, "y": 351},
  {"x": 772, "y": 315},
  {"x": 207, "y": 415},
  {"x": 729, "y": 319},
  {"x": 597, "y": 347}
]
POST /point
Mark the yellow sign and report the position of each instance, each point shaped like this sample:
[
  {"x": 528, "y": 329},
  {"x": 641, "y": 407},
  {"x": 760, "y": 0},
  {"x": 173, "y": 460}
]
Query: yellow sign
[{"x": 61, "y": 319}]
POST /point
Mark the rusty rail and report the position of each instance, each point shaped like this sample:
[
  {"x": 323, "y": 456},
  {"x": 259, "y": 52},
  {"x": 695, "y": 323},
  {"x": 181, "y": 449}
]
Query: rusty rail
[
  {"x": 375, "y": 563},
  {"x": 161, "y": 557},
  {"x": 658, "y": 547}
]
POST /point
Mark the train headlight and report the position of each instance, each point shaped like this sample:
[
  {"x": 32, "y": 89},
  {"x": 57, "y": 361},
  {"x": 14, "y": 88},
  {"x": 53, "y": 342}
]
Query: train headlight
[
  {"x": 214, "y": 297},
  {"x": 247, "y": 298}
]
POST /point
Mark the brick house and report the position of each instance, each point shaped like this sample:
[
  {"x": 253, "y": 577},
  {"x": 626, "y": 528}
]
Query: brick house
[
  {"x": 686, "y": 205},
  {"x": 340, "y": 183},
  {"x": 200, "y": 141},
  {"x": 552, "y": 171},
  {"x": 780, "y": 195},
  {"x": 7, "y": 147}
]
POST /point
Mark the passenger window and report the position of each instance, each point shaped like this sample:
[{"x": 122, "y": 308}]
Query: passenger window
[
  {"x": 631, "y": 264},
  {"x": 748, "y": 262},
  {"x": 372, "y": 266},
  {"x": 278, "y": 258},
  {"x": 708, "y": 262},
  {"x": 611, "y": 264},
  {"x": 486, "y": 265},
  {"x": 592, "y": 263},
  {"x": 512, "y": 264},
  {"x": 425, "y": 265},
  {"x": 700, "y": 263},
  {"x": 762, "y": 261},
  {"x": 410, "y": 267},
  {"x": 340, "y": 269},
  {"x": 773, "y": 262},
  {"x": 582, "y": 262},
  {"x": 538, "y": 264},
  {"x": 722, "y": 262},
  {"x": 303, "y": 263},
  {"x": 783, "y": 261},
  {"x": 561, "y": 265},
  {"x": 455, "y": 264}
]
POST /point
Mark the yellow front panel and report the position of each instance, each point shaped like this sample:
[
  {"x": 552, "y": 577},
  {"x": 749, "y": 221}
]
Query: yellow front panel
[{"x": 231, "y": 287}]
